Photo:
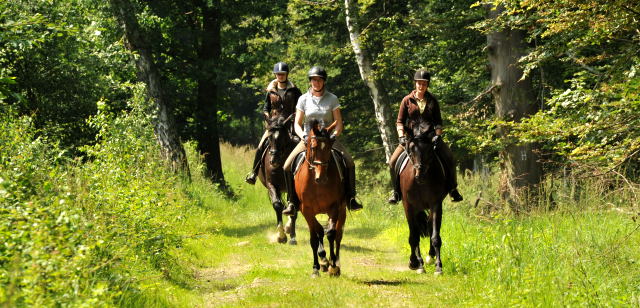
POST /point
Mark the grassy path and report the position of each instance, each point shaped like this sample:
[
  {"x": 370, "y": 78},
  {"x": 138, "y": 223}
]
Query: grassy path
[{"x": 545, "y": 260}]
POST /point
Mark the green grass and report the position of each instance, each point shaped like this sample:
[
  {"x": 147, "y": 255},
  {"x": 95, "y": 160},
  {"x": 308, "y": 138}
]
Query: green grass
[{"x": 555, "y": 258}]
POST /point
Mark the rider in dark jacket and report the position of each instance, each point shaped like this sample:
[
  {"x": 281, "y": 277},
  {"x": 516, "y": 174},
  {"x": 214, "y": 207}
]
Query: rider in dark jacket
[{"x": 282, "y": 96}]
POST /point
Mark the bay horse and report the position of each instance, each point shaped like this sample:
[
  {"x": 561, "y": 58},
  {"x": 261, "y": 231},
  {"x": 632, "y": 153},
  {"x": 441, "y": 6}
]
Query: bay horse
[
  {"x": 423, "y": 188},
  {"x": 321, "y": 191},
  {"x": 271, "y": 173}
]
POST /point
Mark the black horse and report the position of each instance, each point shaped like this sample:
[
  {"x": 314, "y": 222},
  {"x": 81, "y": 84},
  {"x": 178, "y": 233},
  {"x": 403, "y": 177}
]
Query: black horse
[
  {"x": 423, "y": 188},
  {"x": 281, "y": 143}
]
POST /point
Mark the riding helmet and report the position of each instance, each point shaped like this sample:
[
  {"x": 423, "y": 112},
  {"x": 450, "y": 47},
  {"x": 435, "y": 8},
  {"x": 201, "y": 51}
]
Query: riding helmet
[
  {"x": 422, "y": 75},
  {"x": 317, "y": 71},
  {"x": 281, "y": 67}
]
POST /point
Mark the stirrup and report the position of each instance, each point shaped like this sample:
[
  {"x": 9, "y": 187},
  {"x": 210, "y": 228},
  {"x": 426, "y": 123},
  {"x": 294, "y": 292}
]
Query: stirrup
[
  {"x": 455, "y": 195},
  {"x": 394, "y": 197},
  {"x": 290, "y": 210},
  {"x": 251, "y": 178},
  {"x": 354, "y": 205}
]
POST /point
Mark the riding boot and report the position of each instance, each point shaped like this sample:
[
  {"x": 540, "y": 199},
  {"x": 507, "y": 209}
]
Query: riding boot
[
  {"x": 350, "y": 180},
  {"x": 292, "y": 197},
  {"x": 395, "y": 194},
  {"x": 257, "y": 159},
  {"x": 450, "y": 176}
]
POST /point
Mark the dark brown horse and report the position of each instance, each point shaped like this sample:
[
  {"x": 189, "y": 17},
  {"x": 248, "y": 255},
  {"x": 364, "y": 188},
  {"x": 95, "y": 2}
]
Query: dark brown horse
[
  {"x": 423, "y": 188},
  {"x": 321, "y": 191},
  {"x": 271, "y": 174}
]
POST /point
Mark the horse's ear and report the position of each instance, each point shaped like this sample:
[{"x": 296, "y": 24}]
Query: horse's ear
[{"x": 332, "y": 126}]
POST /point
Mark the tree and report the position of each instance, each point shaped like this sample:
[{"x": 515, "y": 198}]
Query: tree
[
  {"x": 380, "y": 101},
  {"x": 514, "y": 100},
  {"x": 165, "y": 129},
  {"x": 207, "y": 108}
]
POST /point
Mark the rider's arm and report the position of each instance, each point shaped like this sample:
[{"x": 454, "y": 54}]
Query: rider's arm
[
  {"x": 337, "y": 117},
  {"x": 402, "y": 115},
  {"x": 437, "y": 117},
  {"x": 266, "y": 109},
  {"x": 298, "y": 123}
]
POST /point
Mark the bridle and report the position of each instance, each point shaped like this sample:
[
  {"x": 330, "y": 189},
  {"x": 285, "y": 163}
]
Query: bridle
[{"x": 312, "y": 153}]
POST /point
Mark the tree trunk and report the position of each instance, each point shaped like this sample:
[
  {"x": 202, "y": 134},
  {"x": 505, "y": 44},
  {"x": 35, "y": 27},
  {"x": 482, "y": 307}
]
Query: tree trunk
[
  {"x": 514, "y": 99},
  {"x": 164, "y": 124},
  {"x": 380, "y": 102},
  {"x": 206, "y": 113}
]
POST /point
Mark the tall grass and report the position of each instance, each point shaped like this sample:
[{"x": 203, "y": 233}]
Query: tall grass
[{"x": 118, "y": 230}]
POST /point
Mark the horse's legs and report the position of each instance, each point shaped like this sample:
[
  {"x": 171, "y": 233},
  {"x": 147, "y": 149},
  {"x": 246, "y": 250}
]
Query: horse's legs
[
  {"x": 315, "y": 242},
  {"x": 436, "y": 241},
  {"x": 415, "y": 259},
  {"x": 335, "y": 236},
  {"x": 276, "y": 202},
  {"x": 291, "y": 229}
]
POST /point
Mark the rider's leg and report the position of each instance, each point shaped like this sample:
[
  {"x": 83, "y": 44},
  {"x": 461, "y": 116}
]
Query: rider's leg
[
  {"x": 292, "y": 197},
  {"x": 350, "y": 177},
  {"x": 251, "y": 177},
  {"x": 395, "y": 194},
  {"x": 446, "y": 156}
]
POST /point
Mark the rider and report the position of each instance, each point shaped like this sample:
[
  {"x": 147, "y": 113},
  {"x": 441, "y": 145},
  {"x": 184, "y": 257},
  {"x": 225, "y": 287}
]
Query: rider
[
  {"x": 322, "y": 105},
  {"x": 420, "y": 106},
  {"x": 279, "y": 90}
]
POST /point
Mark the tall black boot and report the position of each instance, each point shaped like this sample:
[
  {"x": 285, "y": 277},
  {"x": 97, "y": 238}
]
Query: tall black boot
[
  {"x": 450, "y": 176},
  {"x": 395, "y": 182},
  {"x": 292, "y": 197},
  {"x": 257, "y": 159},
  {"x": 350, "y": 182}
]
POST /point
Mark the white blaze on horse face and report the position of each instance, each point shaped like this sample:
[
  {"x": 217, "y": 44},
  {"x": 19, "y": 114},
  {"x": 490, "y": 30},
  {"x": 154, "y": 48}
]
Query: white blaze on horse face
[{"x": 322, "y": 146}]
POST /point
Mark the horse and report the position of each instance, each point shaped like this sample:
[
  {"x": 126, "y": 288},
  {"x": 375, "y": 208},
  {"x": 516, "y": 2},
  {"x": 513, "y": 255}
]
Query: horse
[
  {"x": 423, "y": 188},
  {"x": 271, "y": 173},
  {"x": 321, "y": 191}
]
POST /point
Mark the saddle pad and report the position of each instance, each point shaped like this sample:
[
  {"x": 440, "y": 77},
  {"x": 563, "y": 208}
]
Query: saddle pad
[
  {"x": 297, "y": 162},
  {"x": 403, "y": 159},
  {"x": 401, "y": 162}
]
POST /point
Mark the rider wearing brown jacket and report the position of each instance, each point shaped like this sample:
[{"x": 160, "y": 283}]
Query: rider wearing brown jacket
[{"x": 420, "y": 108}]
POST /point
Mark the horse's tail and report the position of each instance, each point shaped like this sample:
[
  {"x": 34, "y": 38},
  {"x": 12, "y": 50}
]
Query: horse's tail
[{"x": 423, "y": 223}]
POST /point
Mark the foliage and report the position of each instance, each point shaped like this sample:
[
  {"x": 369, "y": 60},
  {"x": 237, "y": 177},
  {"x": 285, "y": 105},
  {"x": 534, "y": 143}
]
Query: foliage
[
  {"x": 584, "y": 54},
  {"x": 75, "y": 232}
]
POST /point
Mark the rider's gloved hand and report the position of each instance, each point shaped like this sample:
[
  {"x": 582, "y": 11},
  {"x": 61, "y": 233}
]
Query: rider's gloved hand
[
  {"x": 436, "y": 140},
  {"x": 333, "y": 137},
  {"x": 402, "y": 140}
]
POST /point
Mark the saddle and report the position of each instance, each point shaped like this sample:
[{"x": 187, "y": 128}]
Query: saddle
[
  {"x": 337, "y": 158},
  {"x": 403, "y": 159}
]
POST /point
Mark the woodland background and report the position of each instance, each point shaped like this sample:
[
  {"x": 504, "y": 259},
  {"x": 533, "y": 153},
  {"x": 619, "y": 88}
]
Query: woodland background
[{"x": 111, "y": 112}]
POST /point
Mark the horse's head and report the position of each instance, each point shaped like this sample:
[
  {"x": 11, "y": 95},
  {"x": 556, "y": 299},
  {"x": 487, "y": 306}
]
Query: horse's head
[
  {"x": 319, "y": 144},
  {"x": 421, "y": 152},
  {"x": 279, "y": 139}
]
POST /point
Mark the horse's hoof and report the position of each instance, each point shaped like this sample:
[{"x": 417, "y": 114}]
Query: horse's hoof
[
  {"x": 334, "y": 271},
  {"x": 293, "y": 241},
  {"x": 324, "y": 264},
  {"x": 315, "y": 274},
  {"x": 282, "y": 240},
  {"x": 438, "y": 272},
  {"x": 429, "y": 260},
  {"x": 414, "y": 266},
  {"x": 420, "y": 271}
]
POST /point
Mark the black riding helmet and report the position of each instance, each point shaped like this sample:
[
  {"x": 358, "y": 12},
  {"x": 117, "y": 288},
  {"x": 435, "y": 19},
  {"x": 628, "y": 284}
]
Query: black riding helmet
[
  {"x": 317, "y": 71},
  {"x": 281, "y": 67},
  {"x": 422, "y": 75}
]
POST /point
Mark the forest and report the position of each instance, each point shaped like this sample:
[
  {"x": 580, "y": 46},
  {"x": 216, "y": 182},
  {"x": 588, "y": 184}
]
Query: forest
[{"x": 127, "y": 128}]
